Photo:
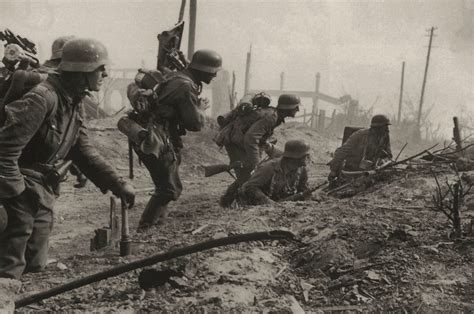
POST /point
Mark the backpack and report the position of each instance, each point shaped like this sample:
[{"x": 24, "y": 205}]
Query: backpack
[
  {"x": 234, "y": 131},
  {"x": 21, "y": 82}
]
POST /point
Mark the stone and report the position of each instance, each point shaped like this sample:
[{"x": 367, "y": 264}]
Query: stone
[{"x": 8, "y": 289}]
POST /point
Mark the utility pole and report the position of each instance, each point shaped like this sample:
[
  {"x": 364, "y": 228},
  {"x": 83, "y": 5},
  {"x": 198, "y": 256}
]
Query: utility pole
[
  {"x": 282, "y": 80},
  {"x": 400, "y": 99},
  {"x": 192, "y": 27},
  {"x": 247, "y": 71},
  {"x": 418, "y": 121}
]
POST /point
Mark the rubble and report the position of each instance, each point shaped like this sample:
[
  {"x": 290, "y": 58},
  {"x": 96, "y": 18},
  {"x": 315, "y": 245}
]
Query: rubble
[{"x": 381, "y": 250}]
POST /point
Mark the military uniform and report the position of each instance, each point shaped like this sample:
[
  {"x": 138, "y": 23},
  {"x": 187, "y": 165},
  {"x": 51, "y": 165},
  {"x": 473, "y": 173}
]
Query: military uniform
[
  {"x": 41, "y": 130},
  {"x": 272, "y": 182},
  {"x": 279, "y": 178},
  {"x": 361, "y": 145},
  {"x": 247, "y": 135},
  {"x": 175, "y": 111}
]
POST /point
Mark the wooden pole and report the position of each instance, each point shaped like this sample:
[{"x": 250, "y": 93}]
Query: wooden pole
[
  {"x": 400, "y": 98},
  {"x": 418, "y": 120},
  {"x": 315, "y": 99},
  {"x": 232, "y": 97},
  {"x": 192, "y": 27},
  {"x": 181, "y": 10},
  {"x": 457, "y": 134},
  {"x": 282, "y": 80},
  {"x": 247, "y": 71}
]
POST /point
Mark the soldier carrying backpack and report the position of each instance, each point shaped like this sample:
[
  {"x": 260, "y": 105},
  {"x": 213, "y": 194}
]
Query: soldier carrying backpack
[
  {"x": 246, "y": 132},
  {"x": 165, "y": 108}
]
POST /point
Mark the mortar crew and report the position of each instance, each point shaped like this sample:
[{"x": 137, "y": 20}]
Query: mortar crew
[
  {"x": 363, "y": 149},
  {"x": 249, "y": 135},
  {"x": 177, "y": 109},
  {"x": 42, "y": 133},
  {"x": 278, "y": 178}
]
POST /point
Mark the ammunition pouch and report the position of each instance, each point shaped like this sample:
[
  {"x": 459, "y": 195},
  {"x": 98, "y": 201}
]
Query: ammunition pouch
[
  {"x": 134, "y": 131},
  {"x": 49, "y": 174},
  {"x": 152, "y": 140}
]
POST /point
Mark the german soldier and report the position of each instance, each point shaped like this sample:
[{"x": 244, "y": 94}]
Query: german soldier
[
  {"x": 42, "y": 134},
  {"x": 278, "y": 178},
  {"x": 364, "y": 149},
  {"x": 248, "y": 136},
  {"x": 176, "y": 109}
]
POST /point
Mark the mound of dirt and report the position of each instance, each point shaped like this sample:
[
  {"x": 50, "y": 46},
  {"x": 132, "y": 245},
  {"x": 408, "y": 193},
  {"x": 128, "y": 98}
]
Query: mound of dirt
[{"x": 199, "y": 147}]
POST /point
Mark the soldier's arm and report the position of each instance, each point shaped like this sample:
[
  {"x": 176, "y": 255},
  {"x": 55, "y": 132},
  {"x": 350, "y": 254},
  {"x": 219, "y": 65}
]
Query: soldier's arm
[
  {"x": 253, "y": 138},
  {"x": 23, "y": 118},
  {"x": 192, "y": 117},
  {"x": 92, "y": 164},
  {"x": 343, "y": 152},
  {"x": 253, "y": 188},
  {"x": 303, "y": 183},
  {"x": 388, "y": 148}
]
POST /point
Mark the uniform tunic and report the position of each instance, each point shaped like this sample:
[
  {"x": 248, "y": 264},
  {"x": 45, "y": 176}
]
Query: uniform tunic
[
  {"x": 272, "y": 182},
  {"x": 175, "y": 112},
  {"x": 41, "y": 129},
  {"x": 360, "y": 145}
]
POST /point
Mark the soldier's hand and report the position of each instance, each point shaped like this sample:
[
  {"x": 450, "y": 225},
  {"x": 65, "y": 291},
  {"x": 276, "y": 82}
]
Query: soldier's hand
[
  {"x": 204, "y": 104},
  {"x": 332, "y": 176},
  {"x": 126, "y": 192},
  {"x": 143, "y": 100}
]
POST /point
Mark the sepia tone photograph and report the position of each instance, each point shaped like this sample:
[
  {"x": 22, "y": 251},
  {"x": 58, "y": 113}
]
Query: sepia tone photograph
[{"x": 215, "y": 156}]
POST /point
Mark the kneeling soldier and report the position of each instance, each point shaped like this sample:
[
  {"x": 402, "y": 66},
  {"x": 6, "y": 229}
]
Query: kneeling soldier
[{"x": 278, "y": 178}]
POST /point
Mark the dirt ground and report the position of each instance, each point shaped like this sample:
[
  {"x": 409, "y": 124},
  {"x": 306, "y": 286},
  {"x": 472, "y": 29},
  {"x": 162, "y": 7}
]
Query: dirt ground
[{"x": 381, "y": 250}]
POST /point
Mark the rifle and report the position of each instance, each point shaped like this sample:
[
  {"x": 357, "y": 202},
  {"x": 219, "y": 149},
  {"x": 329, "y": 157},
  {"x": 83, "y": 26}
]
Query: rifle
[
  {"x": 301, "y": 195},
  {"x": 212, "y": 170}
]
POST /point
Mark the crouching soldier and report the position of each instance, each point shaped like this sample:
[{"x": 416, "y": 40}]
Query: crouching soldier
[
  {"x": 364, "y": 149},
  {"x": 247, "y": 135},
  {"x": 278, "y": 178},
  {"x": 42, "y": 135},
  {"x": 175, "y": 109}
]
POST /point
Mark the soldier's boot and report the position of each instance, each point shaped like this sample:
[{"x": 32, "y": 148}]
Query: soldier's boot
[
  {"x": 230, "y": 195},
  {"x": 155, "y": 213}
]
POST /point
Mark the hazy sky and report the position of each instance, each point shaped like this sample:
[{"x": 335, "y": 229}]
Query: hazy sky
[{"x": 357, "y": 46}]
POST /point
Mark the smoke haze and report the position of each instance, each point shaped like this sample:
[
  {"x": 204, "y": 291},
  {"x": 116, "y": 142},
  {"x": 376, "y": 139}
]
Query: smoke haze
[{"x": 357, "y": 46}]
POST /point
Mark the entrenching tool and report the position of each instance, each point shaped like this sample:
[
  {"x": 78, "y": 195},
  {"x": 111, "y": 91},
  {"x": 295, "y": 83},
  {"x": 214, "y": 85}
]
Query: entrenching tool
[
  {"x": 125, "y": 241},
  {"x": 107, "y": 236}
]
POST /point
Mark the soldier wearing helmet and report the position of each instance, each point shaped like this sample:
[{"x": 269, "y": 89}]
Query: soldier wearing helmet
[
  {"x": 364, "y": 149},
  {"x": 175, "y": 109},
  {"x": 248, "y": 135},
  {"x": 43, "y": 133},
  {"x": 57, "y": 51},
  {"x": 278, "y": 178}
]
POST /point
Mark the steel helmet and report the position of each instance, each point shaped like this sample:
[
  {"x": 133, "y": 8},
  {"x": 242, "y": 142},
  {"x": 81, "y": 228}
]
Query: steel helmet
[
  {"x": 206, "y": 61},
  {"x": 57, "y": 47},
  {"x": 288, "y": 101},
  {"x": 83, "y": 55},
  {"x": 379, "y": 120},
  {"x": 296, "y": 149}
]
